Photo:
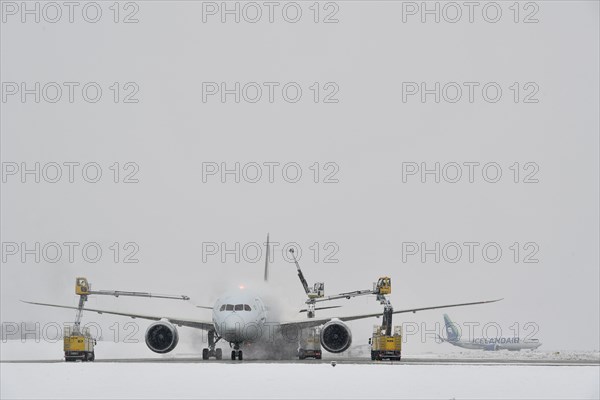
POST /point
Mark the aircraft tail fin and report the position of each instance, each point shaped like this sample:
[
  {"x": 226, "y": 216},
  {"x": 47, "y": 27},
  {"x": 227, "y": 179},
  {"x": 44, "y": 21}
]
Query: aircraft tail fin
[
  {"x": 267, "y": 261},
  {"x": 451, "y": 329}
]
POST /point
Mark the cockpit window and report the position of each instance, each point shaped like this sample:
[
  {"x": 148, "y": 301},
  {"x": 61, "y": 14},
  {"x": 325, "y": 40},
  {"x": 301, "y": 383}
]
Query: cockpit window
[{"x": 237, "y": 307}]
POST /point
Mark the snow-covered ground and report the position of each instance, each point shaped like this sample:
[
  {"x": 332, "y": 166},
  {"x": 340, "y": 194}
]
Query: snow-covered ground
[
  {"x": 523, "y": 355},
  {"x": 283, "y": 380},
  {"x": 239, "y": 380},
  {"x": 16, "y": 350}
]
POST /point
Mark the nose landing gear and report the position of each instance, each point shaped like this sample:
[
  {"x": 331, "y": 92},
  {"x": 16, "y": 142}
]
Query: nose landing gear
[
  {"x": 236, "y": 352},
  {"x": 211, "y": 351}
]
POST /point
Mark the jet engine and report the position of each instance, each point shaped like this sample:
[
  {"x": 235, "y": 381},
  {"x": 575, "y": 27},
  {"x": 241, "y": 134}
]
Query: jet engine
[
  {"x": 335, "y": 336},
  {"x": 161, "y": 337}
]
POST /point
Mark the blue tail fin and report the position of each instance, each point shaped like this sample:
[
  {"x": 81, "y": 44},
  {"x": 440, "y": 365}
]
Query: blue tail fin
[{"x": 451, "y": 329}]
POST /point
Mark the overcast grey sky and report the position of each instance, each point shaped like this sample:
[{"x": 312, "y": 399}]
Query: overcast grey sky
[{"x": 366, "y": 128}]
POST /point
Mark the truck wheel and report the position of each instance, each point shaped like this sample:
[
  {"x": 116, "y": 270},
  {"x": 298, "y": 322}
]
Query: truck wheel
[
  {"x": 301, "y": 355},
  {"x": 92, "y": 357},
  {"x": 372, "y": 356}
]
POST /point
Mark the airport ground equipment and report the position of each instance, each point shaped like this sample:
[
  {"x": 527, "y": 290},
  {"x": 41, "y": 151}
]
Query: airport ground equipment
[
  {"x": 310, "y": 345},
  {"x": 77, "y": 342},
  {"x": 382, "y": 287},
  {"x": 384, "y": 346},
  {"x": 317, "y": 292},
  {"x": 384, "y": 343}
]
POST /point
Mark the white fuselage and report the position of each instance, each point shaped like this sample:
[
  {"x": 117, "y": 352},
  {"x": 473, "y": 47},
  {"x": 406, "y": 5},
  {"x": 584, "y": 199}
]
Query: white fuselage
[
  {"x": 510, "y": 343},
  {"x": 239, "y": 317}
]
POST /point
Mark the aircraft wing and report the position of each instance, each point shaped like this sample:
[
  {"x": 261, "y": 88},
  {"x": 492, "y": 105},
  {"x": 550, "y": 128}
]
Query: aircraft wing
[
  {"x": 312, "y": 322},
  {"x": 205, "y": 325}
]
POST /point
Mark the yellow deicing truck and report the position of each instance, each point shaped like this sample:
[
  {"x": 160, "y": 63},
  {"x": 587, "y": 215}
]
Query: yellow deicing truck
[
  {"x": 386, "y": 347},
  {"x": 78, "y": 344}
]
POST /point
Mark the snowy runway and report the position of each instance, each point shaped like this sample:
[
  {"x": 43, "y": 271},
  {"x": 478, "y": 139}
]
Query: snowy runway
[{"x": 269, "y": 380}]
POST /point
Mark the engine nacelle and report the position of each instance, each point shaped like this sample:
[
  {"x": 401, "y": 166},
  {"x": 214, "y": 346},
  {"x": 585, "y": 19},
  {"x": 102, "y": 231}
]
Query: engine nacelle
[
  {"x": 335, "y": 336},
  {"x": 161, "y": 337}
]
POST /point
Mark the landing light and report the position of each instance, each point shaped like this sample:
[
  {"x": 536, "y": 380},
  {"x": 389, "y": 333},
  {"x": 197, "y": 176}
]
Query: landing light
[{"x": 242, "y": 286}]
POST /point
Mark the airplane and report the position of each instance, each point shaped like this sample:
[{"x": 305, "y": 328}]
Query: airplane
[
  {"x": 487, "y": 344},
  {"x": 242, "y": 318}
]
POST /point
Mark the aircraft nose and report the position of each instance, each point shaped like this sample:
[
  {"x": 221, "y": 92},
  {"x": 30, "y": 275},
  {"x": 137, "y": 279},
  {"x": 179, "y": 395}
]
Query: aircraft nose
[{"x": 233, "y": 327}]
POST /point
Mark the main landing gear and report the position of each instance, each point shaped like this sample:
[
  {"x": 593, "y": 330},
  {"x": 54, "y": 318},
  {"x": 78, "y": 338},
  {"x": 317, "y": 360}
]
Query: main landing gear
[
  {"x": 236, "y": 352},
  {"x": 212, "y": 351}
]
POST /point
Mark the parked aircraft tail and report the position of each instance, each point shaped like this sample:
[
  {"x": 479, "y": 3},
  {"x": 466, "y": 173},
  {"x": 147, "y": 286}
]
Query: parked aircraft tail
[{"x": 451, "y": 329}]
